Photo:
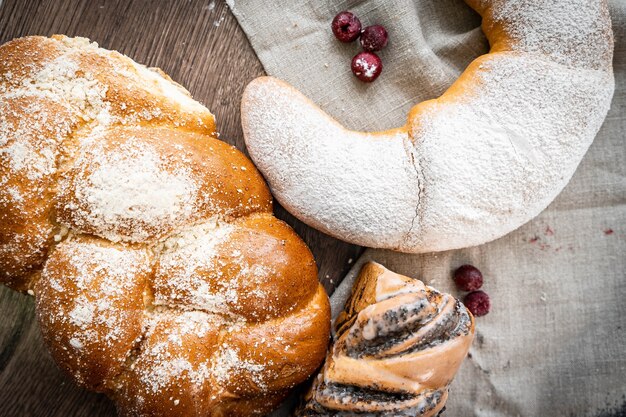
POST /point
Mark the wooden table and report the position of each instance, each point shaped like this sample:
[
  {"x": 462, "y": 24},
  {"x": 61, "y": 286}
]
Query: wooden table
[{"x": 200, "y": 45}]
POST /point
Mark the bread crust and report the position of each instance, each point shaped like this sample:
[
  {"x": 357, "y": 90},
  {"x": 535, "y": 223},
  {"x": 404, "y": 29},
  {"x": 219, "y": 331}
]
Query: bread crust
[{"x": 161, "y": 276}]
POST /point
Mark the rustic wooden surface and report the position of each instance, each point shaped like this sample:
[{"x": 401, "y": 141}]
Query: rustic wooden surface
[{"x": 200, "y": 45}]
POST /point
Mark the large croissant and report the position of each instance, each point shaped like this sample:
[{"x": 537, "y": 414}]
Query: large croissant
[
  {"x": 162, "y": 278},
  {"x": 468, "y": 167},
  {"x": 397, "y": 346}
]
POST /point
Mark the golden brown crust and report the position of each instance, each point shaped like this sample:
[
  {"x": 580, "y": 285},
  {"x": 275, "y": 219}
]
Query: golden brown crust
[
  {"x": 174, "y": 357},
  {"x": 290, "y": 345},
  {"x": 224, "y": 183},
  {"x": 264, "y": 269},
  {"x": 25, "y": 56},
  {"x": 131, "y": 94},
  {"x": 363, "y": 294},
  {"x": 30, "y": 149},
  {"x": 163, "y": 279},
  {"x": 90, "y": 307}
]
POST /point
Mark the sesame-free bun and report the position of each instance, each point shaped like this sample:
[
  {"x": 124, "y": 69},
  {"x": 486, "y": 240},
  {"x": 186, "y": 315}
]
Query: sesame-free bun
[{"x": 161, "y": 276}]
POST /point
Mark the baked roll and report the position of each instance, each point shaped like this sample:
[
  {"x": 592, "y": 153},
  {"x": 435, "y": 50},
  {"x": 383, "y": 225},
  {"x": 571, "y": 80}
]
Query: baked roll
[
  {"x": 468, "y": 167},
  {"x": 161, "y": 276},
  {"x": 397, "y": 346}
]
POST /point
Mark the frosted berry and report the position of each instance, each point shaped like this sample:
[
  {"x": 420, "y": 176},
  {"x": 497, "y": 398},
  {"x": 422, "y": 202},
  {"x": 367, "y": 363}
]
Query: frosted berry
[
  {"x": 478, "y": 303},
  {"x": 374, "y": 38},
  {"x": 367, "y": 66},
  {"x": 346, "y": 27},
  {"x": 468, "y": 278}
]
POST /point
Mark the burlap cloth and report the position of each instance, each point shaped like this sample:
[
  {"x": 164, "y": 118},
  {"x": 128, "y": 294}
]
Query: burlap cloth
[{"x": 554, "y": 343}]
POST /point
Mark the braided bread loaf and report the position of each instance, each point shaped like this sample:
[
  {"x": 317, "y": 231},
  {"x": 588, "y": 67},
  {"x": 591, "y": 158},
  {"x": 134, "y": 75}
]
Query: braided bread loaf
[
  {"x": 468, "y": 167},
  {"x": 397, "y": 346},
  {"x": 161, "y": 276}
]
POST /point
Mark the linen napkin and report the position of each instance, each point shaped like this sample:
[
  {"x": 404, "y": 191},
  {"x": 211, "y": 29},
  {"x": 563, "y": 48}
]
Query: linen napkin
[{"x": 554, "y": 343}]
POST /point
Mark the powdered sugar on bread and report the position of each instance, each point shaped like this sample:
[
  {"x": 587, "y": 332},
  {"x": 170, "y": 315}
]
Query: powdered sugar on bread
[
  {"x": 150, "y": 245},
  {"x": 129, "y": 192}
]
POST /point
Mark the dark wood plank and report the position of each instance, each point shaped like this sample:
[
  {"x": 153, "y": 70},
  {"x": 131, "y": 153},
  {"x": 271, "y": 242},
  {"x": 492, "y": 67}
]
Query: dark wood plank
[{"x": 197, "y": 42}]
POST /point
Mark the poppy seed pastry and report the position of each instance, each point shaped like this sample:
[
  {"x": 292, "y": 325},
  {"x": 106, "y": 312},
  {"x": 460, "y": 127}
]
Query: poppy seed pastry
[
  {"x": 396, "y": 348},
  {"x": 468, "y": 167},
  {"x": 161, "y": 276}
]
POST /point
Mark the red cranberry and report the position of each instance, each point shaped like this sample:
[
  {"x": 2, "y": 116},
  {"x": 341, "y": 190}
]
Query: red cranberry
[
  {"x": 468, "y": 278},
  {"x": 478, "y": 303},
  {"x": 346, "y": 27},
  {"x": 367, "y": 66},
  {"x": 374, "y": 38}
]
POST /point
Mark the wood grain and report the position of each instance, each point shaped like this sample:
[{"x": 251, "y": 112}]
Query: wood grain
[{"x": 200, "y": 45}]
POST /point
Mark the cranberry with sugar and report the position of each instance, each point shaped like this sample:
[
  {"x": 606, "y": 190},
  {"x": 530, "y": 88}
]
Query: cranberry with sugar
[
  {"x": 346, "y": 27},
  {"x": 374, "y": 38},
  {"x": 367, "y": 66},
  {"x": 478, "y": 303},
  {"x": 468, "y": 278}
]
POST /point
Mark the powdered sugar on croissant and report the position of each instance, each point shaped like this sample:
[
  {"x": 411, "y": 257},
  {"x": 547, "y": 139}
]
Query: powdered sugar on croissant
[
  {"x": 162, "y": 278},
  {"x": 478, "y": 162}
]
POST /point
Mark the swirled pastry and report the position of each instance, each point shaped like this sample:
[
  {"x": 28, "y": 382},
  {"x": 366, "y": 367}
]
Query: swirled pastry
[{"x": 397, "y": 347}]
